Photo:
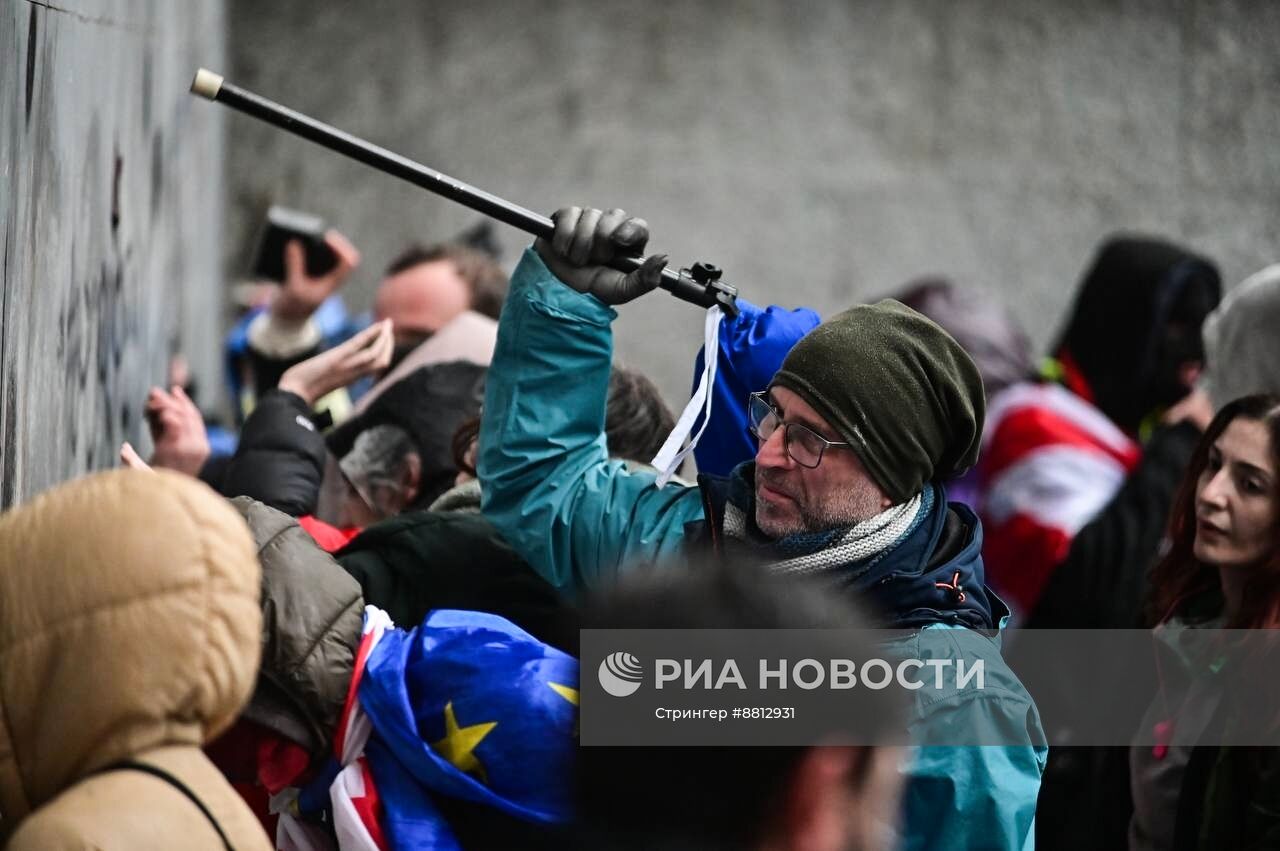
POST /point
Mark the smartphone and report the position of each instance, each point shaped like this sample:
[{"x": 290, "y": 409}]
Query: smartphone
[{"x": 283, "y": 225}]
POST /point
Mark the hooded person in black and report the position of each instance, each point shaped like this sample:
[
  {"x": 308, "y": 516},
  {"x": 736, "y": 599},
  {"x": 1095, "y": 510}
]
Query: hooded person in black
[
  {"x": 1132, "y": 342},
  {"x": 1057, "y": 450},
  {"x": 1168, "y": 292}
]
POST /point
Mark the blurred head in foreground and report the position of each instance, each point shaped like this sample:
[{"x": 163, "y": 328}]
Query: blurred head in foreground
[{"x": 822, "y": 798}]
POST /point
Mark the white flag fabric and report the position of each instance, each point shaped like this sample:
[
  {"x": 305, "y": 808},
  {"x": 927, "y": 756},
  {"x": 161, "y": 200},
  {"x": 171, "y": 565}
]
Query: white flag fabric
[{"x": 670, "y": 456}]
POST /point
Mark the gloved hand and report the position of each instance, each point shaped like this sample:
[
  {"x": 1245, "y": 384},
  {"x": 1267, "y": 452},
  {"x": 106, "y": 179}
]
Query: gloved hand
[{"x": 585, "y": 239}]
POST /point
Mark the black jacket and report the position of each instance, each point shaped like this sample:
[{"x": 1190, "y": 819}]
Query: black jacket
[
  {"x": 1102, "y": 585},
  {"x": 426, "y": 560},
  {"x": 280, "y": 459},
  {"x": 407, "y": 565},
  {"x": 1230, "y": 799}
]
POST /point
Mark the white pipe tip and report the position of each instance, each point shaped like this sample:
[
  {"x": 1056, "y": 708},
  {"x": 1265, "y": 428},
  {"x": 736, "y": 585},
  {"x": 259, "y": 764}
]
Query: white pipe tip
[{"x": 206, "y": 84}]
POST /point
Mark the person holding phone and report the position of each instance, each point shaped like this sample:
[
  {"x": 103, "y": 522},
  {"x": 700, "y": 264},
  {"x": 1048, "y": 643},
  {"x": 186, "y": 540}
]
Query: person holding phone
[{"x": 423, "y": 290}]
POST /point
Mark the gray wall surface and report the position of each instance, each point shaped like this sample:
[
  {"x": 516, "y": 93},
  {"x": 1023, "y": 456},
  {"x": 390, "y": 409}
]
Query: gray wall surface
[
  {"x": 111, "y": 220},
  {"x": 821, "y": 153}
]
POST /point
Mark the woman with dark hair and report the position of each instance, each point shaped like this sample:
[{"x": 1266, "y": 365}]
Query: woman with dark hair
[
  {"x": 1225, "y": 538},
  {"x": 1222, "y": 571}
]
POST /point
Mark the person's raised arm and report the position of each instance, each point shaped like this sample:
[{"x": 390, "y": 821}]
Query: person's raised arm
[
  {"x": 546, "y": 478},
  {"x": 285, "y": 334},
  {"x": 281, "y": 457}
]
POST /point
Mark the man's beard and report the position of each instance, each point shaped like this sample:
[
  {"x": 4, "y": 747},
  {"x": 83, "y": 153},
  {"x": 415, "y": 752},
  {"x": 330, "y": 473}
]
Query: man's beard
[{"x": 842, "y": 509}]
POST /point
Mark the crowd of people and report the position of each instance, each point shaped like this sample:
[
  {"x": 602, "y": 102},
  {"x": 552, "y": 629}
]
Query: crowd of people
[{"x": 354, "y": 622}]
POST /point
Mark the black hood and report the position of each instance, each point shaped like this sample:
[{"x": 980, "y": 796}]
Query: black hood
[
  {"x": 1136, "y": 319},
  {"x": 429, "y": 403}
]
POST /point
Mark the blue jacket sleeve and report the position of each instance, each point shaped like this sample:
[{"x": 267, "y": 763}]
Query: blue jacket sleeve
[
  {"x": 972, "y": 797},
  {"x": 547, "y": 482},
  {"x": 752, "y": 348},
  {"x": 966, "y": 796}
]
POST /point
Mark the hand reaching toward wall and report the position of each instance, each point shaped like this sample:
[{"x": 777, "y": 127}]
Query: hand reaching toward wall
[
  {"x": 131, "y": 459},
  {"x": 367, "y": 353},
  {"x": 177, "y": 430}
]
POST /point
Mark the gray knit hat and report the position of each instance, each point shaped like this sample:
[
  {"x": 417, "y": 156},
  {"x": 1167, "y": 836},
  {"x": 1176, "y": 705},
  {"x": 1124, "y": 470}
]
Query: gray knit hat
[
  {"x": 1241, "y": 346},
  {"x": 897, "y": 387}
]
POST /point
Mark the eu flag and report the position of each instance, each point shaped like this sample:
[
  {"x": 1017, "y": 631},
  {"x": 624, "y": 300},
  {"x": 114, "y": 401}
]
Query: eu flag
[{"x": 469, "y": 706}]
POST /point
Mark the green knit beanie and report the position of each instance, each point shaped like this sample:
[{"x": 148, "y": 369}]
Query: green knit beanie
[{"x": 897, "y": 387}]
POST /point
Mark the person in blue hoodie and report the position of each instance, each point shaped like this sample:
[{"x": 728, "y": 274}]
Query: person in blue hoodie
[{"x": 868, "y": 412}]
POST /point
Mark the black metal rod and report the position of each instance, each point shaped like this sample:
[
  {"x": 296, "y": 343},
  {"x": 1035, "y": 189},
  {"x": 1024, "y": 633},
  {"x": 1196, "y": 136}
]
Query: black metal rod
[{"x": 215, "y": 88}]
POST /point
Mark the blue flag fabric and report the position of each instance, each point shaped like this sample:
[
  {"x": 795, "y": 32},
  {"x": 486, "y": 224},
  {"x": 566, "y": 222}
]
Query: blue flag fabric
[
  {"x": 470, "y": 706},
  {"x": 752, "y": 348},
  {"x": 410, "y": 820}
]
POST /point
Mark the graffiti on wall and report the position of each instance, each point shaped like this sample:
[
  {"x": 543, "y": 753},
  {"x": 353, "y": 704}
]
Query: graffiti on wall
[{"x": 108, "y": 234}]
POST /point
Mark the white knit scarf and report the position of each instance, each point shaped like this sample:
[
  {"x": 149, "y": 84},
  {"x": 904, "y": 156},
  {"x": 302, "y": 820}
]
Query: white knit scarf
[{"x": 856, "y": 543}]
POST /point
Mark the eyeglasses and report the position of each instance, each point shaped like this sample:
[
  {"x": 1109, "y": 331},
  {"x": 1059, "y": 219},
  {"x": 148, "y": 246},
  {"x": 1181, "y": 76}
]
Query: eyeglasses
[{"x": 804, "y": 445}]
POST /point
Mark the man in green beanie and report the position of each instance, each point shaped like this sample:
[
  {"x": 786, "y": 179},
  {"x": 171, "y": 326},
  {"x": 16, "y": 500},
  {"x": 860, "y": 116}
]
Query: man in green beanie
[
  {"x": 869, "y": 412},
  {"x": 901, "y": 394}
]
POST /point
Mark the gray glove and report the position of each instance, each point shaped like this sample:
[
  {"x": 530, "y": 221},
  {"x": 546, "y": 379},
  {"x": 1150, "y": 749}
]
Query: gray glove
[{"x": 586, "y": 239}]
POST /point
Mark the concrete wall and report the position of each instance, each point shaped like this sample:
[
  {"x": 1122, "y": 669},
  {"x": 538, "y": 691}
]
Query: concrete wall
[
  {"x": 819, "y": 152},
  {"x": 110, "y": 224}
]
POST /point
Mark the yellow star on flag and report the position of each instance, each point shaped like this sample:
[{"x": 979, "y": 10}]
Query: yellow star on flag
[
  {"x": 569, "y": 694},
  {"x": 458, "y": 744}
]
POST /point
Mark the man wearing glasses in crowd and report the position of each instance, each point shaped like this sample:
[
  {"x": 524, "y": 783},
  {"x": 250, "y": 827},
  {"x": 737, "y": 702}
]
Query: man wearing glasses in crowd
[{"x": 869, "y": 412}]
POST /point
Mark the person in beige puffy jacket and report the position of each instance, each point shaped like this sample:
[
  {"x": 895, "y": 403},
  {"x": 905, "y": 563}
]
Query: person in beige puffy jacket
[{"x": 130, "y": 633}]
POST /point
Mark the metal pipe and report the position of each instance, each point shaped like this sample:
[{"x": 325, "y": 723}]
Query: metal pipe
[{"x": 213, "y": 87}]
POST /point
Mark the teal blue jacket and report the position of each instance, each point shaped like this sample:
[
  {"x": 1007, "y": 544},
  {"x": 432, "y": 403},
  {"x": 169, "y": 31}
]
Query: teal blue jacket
[{"x": 581, "y": 519}]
